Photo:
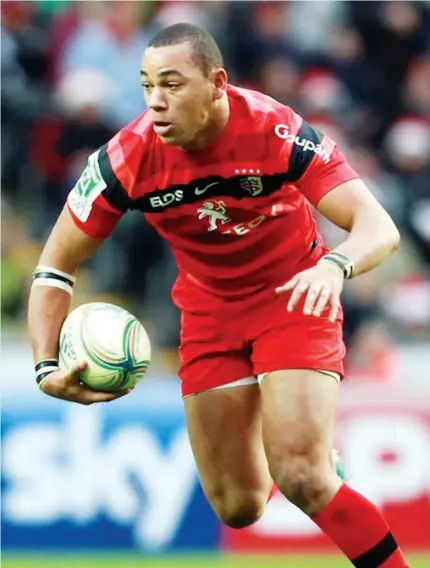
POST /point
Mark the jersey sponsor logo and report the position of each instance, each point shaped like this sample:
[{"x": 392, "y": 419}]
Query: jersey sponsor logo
[
  {"x": 88, "y": 187},
  {"x": 199, "y": 191},
  {"x": 214, "y": 211},
  {"x": 166, "y": 199},
  {"x": 283, "y": 131}
]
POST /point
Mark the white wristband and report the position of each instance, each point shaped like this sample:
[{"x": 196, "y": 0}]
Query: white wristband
[
  {"x": 42, "y": 268},
  {"x": 53, "y": 283},
  {"x": 48, "y": 276}
]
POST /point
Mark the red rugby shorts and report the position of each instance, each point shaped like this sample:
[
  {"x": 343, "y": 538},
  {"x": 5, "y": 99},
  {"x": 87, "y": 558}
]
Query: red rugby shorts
[{"x": 224, "y": 341}]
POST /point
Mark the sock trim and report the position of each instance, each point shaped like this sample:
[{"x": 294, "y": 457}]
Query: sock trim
[{"x": 378, "y": 554}]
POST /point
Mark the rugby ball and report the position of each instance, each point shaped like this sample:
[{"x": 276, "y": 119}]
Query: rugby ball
[{"x": 112, "y": 341}]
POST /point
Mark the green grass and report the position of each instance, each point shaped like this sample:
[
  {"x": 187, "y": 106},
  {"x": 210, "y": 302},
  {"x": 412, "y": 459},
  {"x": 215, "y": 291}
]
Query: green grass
[{"x": 211, "y": 561}]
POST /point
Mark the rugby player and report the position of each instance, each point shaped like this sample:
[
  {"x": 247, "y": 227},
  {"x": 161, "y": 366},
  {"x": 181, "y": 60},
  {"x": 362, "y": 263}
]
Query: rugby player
[{"x": 225, "y": 174}]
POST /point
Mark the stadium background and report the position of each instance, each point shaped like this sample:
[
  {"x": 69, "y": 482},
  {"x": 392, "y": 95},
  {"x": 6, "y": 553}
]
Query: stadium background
[{"x": 117, "y": 483}]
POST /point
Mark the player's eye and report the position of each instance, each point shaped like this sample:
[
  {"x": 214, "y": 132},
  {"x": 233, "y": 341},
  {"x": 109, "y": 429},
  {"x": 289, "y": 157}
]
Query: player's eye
[
  {"x": 147, "y": 86},
  {"x": 173, "y": 86}
]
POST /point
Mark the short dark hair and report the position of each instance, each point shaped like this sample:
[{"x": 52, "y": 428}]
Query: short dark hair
[{"x": 205, "y": 49}]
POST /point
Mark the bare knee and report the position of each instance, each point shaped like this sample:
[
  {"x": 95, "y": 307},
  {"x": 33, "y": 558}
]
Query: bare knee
[
  {"x": 238, "y": 509},
  {"x": 306, "y": 479}
]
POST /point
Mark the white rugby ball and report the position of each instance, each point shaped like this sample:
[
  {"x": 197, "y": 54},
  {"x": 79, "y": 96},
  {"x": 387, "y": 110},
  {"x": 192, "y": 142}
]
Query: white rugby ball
[{"x": 112, "y": 341}]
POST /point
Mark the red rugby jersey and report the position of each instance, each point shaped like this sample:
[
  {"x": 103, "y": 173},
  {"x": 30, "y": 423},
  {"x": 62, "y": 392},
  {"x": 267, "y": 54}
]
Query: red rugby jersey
[{"x": 235, "y": 214}]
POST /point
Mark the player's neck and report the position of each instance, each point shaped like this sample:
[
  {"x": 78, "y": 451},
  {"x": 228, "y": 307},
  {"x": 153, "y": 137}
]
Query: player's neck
[{"x": 216, "y": 124}]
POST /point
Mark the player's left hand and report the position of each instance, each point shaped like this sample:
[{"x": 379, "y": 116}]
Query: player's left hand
[{"x": 323, "y": 284}]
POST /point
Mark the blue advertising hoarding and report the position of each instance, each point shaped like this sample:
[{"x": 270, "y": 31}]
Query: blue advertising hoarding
[{"x": 118, "y": 475}]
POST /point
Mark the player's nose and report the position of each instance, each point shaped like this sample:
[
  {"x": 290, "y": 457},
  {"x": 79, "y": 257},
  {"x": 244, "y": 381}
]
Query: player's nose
[{"x": 157, "y": 100}]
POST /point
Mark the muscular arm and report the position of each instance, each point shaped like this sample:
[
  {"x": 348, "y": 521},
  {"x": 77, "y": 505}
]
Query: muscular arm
[
  {"x": 67, "y": 247},
  {"x": 373, "y": 235},
  {"x": 327, "y": 180},
  {"x": 334, "y": 188}
]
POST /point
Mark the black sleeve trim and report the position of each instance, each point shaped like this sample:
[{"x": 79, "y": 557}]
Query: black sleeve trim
[
  {"x": 301, "y": 155},
  {"x": 115, "y": 193}
]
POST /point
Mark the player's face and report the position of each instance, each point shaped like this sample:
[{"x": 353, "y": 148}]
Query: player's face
[{"x": 179, "y": 97}]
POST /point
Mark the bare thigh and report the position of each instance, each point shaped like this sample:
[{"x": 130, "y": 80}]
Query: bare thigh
[
  {"x": 299, "y": 411},
  {"x": 299, "y": 408},
  {"x": 225, "y": 430}
]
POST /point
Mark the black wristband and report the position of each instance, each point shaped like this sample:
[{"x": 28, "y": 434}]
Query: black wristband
[
  {"x": 45, "y": 368},
  {"x": 40, "y": 378},
  {"x": 337, "y": 263},
  {"x": 342, "y": 261},
  {"x": 45, "y": 363}
]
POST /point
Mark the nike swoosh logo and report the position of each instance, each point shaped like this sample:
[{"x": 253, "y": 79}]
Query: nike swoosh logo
[{"x": 198, "y": 191}]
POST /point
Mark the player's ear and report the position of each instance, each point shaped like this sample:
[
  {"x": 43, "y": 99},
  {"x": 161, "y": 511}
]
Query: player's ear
[{"x": 219, "y": 83}]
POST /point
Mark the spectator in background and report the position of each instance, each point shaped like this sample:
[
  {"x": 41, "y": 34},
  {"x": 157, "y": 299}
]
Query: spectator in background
[
  {"x": 310, "y": 24},
  {"x": 197, "y": 13},
  {"x": 394, "y": 33},
  {"x": 408, "y": 148},
  {"x": 112, "y": 44},
  {"x": 23, "y": 95},
  {"x": 29, "y": 29},
  {"x": 345, "y": 56},
  {"x": 384, "y": 186},
  {"x": 320, "y": 91},
  {"x": 279, "y": 78},
  {"x": 62, "y": 139},
  {"x": 416, "y": 92},
  {"x": 81, "y": 99},
  {"x": 262, "y": 36}
]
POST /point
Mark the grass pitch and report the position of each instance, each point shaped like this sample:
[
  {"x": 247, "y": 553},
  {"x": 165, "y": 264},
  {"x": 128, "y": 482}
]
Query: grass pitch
[{"x": 211, "y": 561}]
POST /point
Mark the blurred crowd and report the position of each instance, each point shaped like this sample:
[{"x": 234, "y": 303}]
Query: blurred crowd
[{"x": 358, "y": 71}]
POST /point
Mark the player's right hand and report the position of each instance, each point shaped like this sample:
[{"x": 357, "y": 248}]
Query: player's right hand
[{"x": 67, "y": 386}]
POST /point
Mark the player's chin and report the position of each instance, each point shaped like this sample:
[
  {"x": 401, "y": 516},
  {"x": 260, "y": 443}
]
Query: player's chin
[
  {"x": 170, "y": 140},
  {"x": 175, "y": 138}
]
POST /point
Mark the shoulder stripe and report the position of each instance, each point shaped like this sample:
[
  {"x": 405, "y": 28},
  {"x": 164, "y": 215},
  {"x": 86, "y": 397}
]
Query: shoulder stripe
[
  {"x": 115, "y": 193},
  {"x": 306, "y": 141},
  {"x": 120, "y": 148}
]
